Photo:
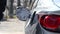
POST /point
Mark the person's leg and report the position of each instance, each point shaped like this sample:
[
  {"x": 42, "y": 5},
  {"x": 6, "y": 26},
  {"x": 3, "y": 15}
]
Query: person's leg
[{"x": 2, "y": 7}]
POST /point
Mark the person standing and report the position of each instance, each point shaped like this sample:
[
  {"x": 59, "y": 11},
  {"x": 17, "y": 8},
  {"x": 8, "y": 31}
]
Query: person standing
[{"x": 2, "y": 8}]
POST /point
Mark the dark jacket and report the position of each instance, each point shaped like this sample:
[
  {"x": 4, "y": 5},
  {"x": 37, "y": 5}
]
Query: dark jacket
[{"x": 2, "y": 5}]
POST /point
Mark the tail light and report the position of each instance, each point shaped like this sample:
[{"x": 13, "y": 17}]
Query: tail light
[{"x": 51, "y": 22}]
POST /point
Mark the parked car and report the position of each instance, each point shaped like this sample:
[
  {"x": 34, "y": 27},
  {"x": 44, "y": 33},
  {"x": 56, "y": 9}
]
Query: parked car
[{"x": 45, "y": 20}]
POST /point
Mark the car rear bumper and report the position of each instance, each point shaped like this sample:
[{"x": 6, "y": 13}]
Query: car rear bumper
[{"x": 47, "y": 32}]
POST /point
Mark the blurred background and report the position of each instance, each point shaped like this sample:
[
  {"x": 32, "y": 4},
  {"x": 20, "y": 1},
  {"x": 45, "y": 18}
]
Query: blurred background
[
  {"x": 12, "y": 5},
  {"x": 11, "y": 8},
  {"x": 10, "y": 23}
]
